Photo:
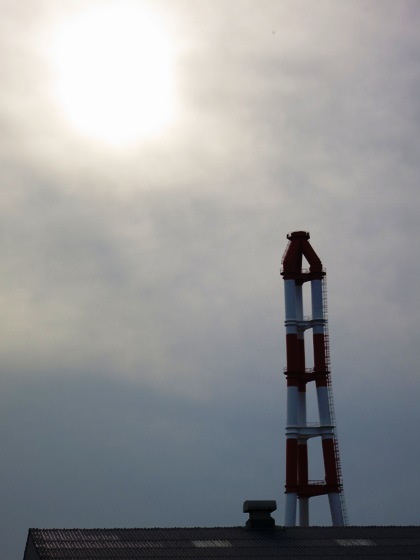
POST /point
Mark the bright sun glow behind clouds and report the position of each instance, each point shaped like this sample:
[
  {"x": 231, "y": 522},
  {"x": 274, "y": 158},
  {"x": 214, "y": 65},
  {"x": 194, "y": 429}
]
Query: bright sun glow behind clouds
[{"x": 114, "y": 70}]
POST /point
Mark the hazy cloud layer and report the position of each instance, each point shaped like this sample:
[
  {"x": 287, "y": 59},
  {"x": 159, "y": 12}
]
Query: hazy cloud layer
[{"x": 142, "y": 338}]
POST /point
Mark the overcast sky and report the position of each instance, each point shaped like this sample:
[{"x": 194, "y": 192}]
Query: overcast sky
[{"x": 142, "y": 338}]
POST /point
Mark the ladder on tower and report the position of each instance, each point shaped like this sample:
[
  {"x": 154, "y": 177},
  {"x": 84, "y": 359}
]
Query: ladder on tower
[{"x": 331, "y": 402}]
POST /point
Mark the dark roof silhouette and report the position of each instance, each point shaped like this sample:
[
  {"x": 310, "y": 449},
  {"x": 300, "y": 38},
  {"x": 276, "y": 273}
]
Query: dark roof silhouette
[{"x": 234, "y": 543}]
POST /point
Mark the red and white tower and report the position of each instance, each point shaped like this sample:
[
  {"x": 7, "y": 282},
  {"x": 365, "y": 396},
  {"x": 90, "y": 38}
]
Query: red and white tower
[{"x": 298, "y": 375}]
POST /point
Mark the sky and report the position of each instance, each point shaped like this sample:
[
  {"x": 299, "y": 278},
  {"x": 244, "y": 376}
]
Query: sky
[{"x": 142, "y": 338}]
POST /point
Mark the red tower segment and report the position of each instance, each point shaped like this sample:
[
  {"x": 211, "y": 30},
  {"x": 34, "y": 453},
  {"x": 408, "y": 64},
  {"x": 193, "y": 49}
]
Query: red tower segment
[{"x": 298, "y": 431}]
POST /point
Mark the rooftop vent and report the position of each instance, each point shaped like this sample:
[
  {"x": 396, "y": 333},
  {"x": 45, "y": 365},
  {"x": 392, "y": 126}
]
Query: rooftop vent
[{"x": 259, "y": 513}]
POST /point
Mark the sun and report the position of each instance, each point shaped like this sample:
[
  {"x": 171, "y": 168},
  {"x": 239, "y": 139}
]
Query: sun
[{"x": 114, "y": 72}]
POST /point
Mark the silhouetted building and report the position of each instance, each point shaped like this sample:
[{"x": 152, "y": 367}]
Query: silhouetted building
[{"x": 259, "y": 538}]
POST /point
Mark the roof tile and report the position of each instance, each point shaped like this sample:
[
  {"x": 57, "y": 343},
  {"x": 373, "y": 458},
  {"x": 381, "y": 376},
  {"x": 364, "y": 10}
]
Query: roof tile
[{"x": 233, "y": 543}]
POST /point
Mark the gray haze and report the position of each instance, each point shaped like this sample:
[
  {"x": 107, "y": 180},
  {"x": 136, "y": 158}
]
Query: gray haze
[{"x": 142, "y": 338}]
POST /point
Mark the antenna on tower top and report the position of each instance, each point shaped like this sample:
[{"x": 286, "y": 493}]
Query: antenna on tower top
[{"x": 298, "y": 430}]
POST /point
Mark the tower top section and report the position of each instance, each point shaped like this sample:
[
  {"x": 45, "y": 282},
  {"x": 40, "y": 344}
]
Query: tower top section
[
  {"x": 298, "y": 248},
  {"x": 298, "y": 234}
]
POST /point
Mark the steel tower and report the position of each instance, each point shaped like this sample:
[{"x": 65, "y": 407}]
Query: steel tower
[{"x": 298, "y": 430}]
